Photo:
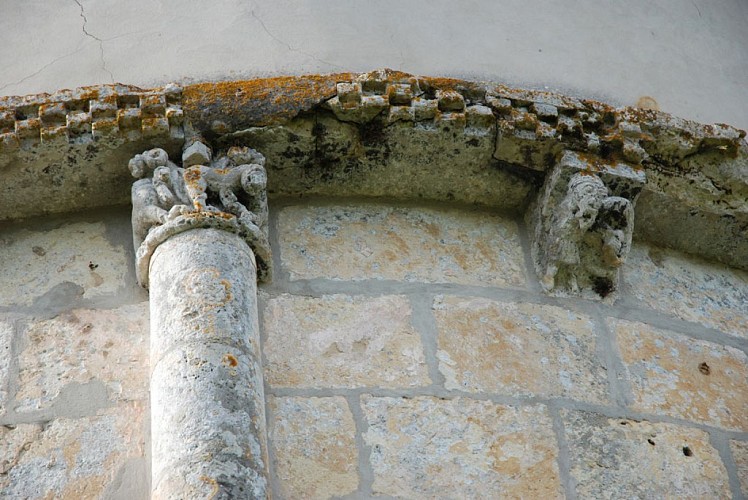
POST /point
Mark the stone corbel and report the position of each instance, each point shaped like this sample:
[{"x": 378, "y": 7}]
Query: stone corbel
[
  {"x": 200, "y": 233},
  {"x": 582, "y": 224}
]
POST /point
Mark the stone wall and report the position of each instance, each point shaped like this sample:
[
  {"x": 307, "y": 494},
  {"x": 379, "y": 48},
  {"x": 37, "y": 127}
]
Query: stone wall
[{"x": 408, "y": 352}]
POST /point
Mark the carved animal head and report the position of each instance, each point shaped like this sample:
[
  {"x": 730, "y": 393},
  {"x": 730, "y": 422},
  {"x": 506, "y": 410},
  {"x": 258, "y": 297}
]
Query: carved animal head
[
  {"x": 586, "y": 194},
  {"x": 144, "y": 164}
]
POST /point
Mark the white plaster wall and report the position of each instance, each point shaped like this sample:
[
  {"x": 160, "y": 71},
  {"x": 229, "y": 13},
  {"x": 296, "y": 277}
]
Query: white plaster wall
[{"x": 690, "y": 55}]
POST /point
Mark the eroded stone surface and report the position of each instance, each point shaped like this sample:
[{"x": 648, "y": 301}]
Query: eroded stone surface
[
  {"x": 682, "y": 377},
  {"x": 315, "y": 448},
  {"x": 614, "y": 458},
  {"x": 517, "y": 349},
  {"x": 428, "y": 447},
  {"x": 342, "y": 341},
  {"x": 227, "y": 193},
  {"x": 208, "y": 407},
  {"x": 711, "y": 294},
  {"x": 6, "y": 337},
  {"x": 740, "y": 456},
  {"x": 35, "y": 262},
  {"x": 582, "y": 222},
  {"x": 70, "y": 458},
  {"x": 403, "y": 244},
  {"x": 83, "y": 346}
]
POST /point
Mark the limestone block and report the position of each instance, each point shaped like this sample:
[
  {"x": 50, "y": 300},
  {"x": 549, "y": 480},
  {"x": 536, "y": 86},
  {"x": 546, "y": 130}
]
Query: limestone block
[
  {"x": 69, "y": 458},
  {"x": 428, "y": 447},
  {"x": 740, "y": 456},
  {"x": 35, "y": 262},
  {"x": 614, "y": 458},
  {"x": 582, "y": 225},
  {"x": 403, "y": 244},
  {"x": 693, "y": 290},
  {"x": 6, "y": 338},
  {"x": 675, "y": 375},
  {"x": 518, "y": 349},
  {"x": 83, "y": 346},
  {"x": 315, "y": 447},
  {"x": 342, "y": 341}
]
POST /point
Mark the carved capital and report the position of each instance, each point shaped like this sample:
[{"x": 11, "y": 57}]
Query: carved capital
[
  {"x": 227, "y": 192},
  {"x": 582, "y": 224}
]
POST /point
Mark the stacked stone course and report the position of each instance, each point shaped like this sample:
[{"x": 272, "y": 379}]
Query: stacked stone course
[
  {"x": 395, "y": 342},
  {"x": 510, "y": 342}
]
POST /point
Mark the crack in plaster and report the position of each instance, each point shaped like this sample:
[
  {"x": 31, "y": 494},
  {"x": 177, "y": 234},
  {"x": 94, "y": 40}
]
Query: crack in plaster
[
  {"x": 286, "y": 44},
  {"x": 32, "y": 75},
  {"x": 90, "y": 35}
]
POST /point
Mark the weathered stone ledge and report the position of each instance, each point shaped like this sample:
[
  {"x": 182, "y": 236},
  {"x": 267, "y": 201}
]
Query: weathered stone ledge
[{"x": 383, "y": 133}]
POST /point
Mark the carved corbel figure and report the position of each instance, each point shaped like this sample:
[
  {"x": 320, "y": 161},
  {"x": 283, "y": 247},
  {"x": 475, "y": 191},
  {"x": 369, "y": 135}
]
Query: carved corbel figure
[
  {"x": 228, "y": 192},
  {"x": 583, "y": 225}
]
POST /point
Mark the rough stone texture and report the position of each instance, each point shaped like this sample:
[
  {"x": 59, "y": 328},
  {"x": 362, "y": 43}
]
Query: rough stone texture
[
  {"x": 228, "y": 193},
  {"x": 403, "y": 244},
  {"x": 72, "y": 458},
  {"x": 518, "y": 349},
  {"x": 84, "y": 346},
  {"x": 675, "y": 375},
  {"x": 688, "y": 288},
  {"x": 77, "y": 254},
  {"x": 616, "y": 458},
  {"x": 315, "y": 447},
  {"x": 208, "y": 411},
  {"x": 740, "y": 455},
  {"x": 6, "y": 338},
  {"x": 382, "y": 133},
  {"x": 430, "y": 447},
  {"x": 342, "y": 341},
  {"x": 583, "y": 221}
]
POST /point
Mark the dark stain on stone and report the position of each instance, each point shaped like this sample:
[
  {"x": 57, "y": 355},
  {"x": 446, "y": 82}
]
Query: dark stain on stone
[{"x": 602, "y": 286}]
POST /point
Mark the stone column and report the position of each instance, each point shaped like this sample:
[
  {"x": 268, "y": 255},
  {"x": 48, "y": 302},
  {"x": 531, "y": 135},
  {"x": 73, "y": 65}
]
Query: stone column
[{"x": 200, "y": 232}]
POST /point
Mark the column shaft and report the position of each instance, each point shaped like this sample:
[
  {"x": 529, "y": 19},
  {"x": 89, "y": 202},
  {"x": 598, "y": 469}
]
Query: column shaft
[{"x": 207, "y": 401}]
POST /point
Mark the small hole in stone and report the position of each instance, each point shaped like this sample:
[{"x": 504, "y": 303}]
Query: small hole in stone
[
  {"x": 687, "y": 451},
  {"x": 704, "y": 368},
  {"x": 651, "y": 441}
]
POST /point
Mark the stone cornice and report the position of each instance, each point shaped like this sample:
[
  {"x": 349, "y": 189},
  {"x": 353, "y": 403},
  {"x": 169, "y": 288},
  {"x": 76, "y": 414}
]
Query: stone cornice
[{"x": 383, "y": 133}]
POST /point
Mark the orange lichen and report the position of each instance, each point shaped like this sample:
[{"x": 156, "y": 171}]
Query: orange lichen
[
  {"x": 230, "y": 360},
  {"x": 247, "y": 100}
]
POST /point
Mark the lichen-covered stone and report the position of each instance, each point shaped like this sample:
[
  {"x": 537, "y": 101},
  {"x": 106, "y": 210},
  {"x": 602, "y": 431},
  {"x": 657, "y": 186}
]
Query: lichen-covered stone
[
  {"x": 315, "y": 447},
  {"x": 618, "y": 458},
  {"x": 34, "y": 262},
  {"x": 428, "y": 447},
  {"x": 83, "y": 346},
  {"x": 6, "y": 338},
  {"x": 682, "y": 377},
  {"x": 690, "y": 289},
  {"x": 342, "y": 341},
  {"x": 402, "y": 244},
  {"x": 740, "y": 456},
  {"x": 518, "y": 349},
  {"x": 71, "y": 458}
]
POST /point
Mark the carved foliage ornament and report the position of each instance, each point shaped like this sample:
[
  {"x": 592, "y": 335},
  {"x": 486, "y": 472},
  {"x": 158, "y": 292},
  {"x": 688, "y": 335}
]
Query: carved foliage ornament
[{"x": 228, "y": 193}]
